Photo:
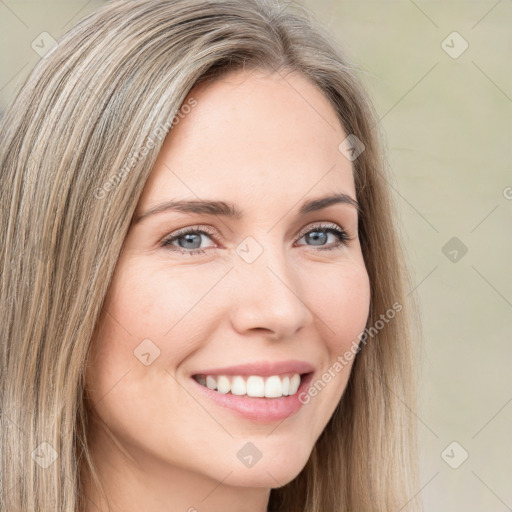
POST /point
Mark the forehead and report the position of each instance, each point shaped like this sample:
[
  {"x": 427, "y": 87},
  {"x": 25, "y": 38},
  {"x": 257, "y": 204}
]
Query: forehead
[{"x": 252, "y": 136}]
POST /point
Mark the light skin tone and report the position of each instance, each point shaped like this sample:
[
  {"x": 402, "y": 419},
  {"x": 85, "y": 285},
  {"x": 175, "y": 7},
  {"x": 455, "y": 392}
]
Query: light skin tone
[{"x": 267, "y": 144}]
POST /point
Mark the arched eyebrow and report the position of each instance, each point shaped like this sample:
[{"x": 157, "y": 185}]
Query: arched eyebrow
[{"x": 227, "y": 209}]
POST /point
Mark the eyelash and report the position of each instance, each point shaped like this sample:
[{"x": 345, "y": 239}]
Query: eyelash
[{"x": 330, "y": 228}]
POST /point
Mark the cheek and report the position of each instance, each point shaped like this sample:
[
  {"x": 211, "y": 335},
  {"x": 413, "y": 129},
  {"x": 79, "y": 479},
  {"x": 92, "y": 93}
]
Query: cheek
[
  {"x": 149, "y": 309},
  {"x": 340, "y": 297},
  {"x": 155, "y": 300},
  {"x": 170, "y": 306}
]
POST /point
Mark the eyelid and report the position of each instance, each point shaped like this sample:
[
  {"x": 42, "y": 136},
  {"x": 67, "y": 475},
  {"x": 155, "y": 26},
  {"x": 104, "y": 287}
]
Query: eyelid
[
  {"x": 198, "y": 227},
  {"x": 322, "y": 225}
]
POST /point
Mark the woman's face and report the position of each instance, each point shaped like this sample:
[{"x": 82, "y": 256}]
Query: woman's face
[{"x": 274, "y": 285}]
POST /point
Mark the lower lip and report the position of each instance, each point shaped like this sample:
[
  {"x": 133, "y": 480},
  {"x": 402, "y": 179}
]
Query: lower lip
[{"x": 265, "y": 410}]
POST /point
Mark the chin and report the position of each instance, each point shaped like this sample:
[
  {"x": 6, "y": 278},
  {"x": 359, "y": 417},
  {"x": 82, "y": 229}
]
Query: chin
[{"x": 269, "y": 471}]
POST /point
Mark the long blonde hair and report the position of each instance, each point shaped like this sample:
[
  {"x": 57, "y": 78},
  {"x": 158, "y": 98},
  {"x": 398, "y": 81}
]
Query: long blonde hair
[{"x": 74, "y": 158}]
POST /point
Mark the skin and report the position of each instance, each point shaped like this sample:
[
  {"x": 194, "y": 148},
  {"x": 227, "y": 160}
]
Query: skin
[{"x": 266, "y": 143}]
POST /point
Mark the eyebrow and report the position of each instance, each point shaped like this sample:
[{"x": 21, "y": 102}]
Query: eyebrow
[{"x": 228, "y": 209}]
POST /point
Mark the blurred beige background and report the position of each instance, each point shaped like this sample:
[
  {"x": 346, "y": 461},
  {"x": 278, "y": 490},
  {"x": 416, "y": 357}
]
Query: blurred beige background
[{"x": 445, "y": 104}]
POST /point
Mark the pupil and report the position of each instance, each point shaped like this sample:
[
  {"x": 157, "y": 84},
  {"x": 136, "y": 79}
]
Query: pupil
[
  {"x": 316, "y": 235},
  {"x": 187, "y": 237}
]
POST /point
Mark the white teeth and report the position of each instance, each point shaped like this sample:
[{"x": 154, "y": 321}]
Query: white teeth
[
  {"x": 211, "y": 382},
  {"x": 294, "y": 384},
  {"x": 274, "y": 386},
  {"x": 238, "y": 386},
  {"x": 286, "y": 386},
  {"x": 223, "y": 385},
  {"x": 255, "y": 386}
]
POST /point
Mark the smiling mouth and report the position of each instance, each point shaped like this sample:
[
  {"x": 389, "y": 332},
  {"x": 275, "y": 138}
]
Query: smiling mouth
[{"x": 273, "y": 386}]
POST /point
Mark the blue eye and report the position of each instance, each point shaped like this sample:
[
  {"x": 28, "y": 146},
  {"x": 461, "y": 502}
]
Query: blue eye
[
  {"x": 189, "y": 238},
  {"x": 321, "y": 232},
  {"x": 192, "y": 236}
]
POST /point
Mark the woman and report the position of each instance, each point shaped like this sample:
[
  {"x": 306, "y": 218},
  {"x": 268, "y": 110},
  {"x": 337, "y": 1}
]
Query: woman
[{"x": 203, "y": 295}]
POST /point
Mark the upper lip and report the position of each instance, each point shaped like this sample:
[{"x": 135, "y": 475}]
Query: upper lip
[{"x": 263, "y": 368}]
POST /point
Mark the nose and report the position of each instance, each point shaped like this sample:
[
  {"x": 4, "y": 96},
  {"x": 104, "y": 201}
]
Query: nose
[{"x": 267, "y": 295}]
